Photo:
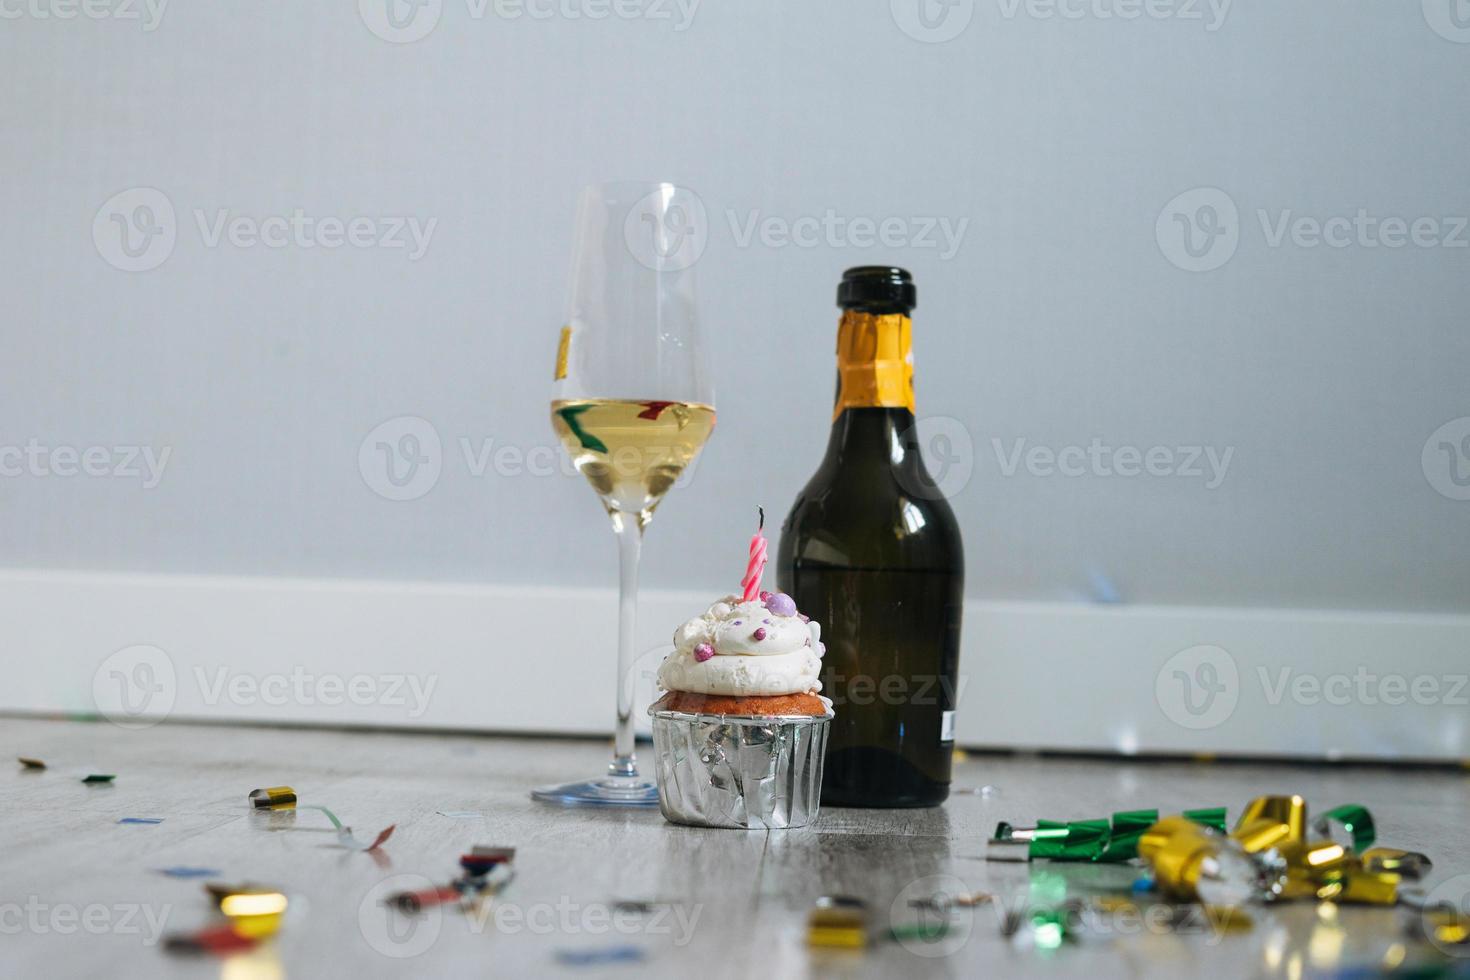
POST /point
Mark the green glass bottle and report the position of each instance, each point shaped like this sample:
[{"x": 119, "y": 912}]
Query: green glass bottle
[{"x": 871, "y": 549}]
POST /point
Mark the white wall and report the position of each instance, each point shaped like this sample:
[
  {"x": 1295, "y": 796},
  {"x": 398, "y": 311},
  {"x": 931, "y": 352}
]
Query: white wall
[{"x": 1059, "y": 318}]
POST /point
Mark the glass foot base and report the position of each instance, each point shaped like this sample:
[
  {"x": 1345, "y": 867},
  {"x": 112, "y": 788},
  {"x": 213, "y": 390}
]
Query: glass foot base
[{"x": 604, "y": 791}]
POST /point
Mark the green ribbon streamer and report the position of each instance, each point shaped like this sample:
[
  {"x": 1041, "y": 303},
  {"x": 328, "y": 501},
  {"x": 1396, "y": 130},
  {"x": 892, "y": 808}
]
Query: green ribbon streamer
[
  {"x": 1356, "y": 824},
  {"x": 1101, "y": 840}
]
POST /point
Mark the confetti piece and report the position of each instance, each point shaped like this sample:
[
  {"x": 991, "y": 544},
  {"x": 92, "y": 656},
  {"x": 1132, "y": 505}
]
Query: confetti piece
[
  {"x": 273, "y": 798},
  {"x": 98, "y": 778},
  {"x": 253, "y": 913},
  {"x": 836, "y": 920},
  {"x": 943, "y": 903},
  {"x": 184, "y": 871},
  {"x": 597, "y": 957},
  {"x": 639, "y": 906},
  {"x": 145, "y": 820},
  {"x": 417, "y": 901},
  {"x": 219, "y": 891},
  {"x": 244, "y": 905},
  {"x": 220, "y": 940},
  {"x": 482, "y": 859},
  {"x": 30, "y": 763},
  {"x": 378, "y": 841}
]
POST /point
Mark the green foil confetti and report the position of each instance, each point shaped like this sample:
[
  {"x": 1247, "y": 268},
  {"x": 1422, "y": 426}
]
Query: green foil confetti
[
  {"x": 1350, "y": 825},
  {"x": 1099, "y": 839}
]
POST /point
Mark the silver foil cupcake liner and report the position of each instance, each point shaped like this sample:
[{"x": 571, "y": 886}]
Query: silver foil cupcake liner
[{"x": 739, "y": 772}]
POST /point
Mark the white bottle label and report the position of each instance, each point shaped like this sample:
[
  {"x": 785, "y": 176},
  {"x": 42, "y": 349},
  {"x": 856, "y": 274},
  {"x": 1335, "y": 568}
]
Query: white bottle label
[{"x": 946, "y": 727}]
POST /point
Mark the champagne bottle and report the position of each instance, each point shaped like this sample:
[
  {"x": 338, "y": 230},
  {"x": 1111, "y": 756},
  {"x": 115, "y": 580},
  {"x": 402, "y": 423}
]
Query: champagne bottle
[{"x": 871, "y": 549}]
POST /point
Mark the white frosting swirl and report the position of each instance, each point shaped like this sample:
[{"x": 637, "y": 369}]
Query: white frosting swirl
[{"x": 756, "y": 652}]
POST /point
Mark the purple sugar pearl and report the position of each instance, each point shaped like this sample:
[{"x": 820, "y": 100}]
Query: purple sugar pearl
[
  {"x": 760, "y": 633},
  {"x": 702, "y": 652},
  {"x": 781, "y": 604}
]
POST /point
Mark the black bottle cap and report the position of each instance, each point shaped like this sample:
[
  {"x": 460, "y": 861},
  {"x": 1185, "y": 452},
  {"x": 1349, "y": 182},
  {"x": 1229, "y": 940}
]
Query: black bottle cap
[{"x": 877, "y": 289}]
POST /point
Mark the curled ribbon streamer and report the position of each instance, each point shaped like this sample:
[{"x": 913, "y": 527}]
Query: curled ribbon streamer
[
  {"x": 1269, "y": 857},
  {"x": 284, "y": 798}
]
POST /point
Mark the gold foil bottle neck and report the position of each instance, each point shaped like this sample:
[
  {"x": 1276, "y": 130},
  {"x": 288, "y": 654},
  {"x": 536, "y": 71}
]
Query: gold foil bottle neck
[{"x": 875, "y": 362}]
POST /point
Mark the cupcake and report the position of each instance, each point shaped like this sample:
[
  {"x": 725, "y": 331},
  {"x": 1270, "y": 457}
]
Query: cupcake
[{"x": 739, "y": 734}]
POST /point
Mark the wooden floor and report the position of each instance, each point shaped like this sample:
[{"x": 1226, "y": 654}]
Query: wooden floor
[{"x": 81, "y": 893}]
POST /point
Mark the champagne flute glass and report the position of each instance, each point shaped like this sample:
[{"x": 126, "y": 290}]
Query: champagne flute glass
[{"x": 631, "y": 402}]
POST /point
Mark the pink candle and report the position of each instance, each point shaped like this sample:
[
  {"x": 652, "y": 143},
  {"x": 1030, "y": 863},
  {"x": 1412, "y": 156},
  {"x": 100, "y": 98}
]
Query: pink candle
[{"x": 751, "y": 583}]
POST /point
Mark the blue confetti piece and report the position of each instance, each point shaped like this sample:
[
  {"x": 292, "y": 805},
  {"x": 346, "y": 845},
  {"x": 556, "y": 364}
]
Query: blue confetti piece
[
  {"x": 141, "y": 820},
  {"x": 595, "y": 957},
  {"x": 186, "y": 872},
  {"x": 1144, "y": 884}
]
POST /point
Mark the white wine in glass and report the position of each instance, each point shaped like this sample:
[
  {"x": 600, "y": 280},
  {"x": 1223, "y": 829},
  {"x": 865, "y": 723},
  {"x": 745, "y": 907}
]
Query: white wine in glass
[{"x": 632, "y": 402}]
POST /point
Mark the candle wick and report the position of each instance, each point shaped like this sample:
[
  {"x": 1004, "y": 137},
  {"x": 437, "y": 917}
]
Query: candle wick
[{"x": 762, "y": 525}]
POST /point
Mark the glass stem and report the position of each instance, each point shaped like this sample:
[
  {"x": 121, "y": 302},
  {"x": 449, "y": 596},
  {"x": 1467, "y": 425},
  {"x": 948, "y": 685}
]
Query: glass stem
[{"x": 630, "y": 546}]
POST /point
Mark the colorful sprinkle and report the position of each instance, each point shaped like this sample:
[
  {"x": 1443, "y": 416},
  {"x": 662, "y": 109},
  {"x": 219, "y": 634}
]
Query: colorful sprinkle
[
  {"x": 760, "y": 633},
  {"x": 187, "y": 871},
  {"x": 782, "y": 604},
  {"x": 702, "y": 652}
]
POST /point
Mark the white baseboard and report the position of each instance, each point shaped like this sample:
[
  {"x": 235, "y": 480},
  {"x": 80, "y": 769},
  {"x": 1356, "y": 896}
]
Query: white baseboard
[{"x": 1081, "y": 677}]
